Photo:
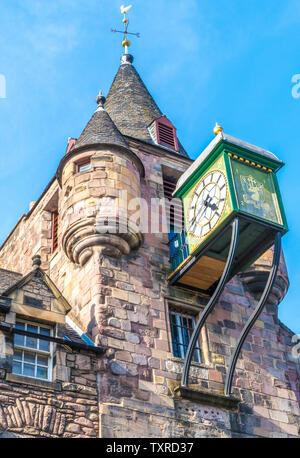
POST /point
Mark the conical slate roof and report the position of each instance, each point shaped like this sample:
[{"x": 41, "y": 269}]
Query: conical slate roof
[
  {"x": 130, "y": 104},
  {"x": 101, "y": 129}
]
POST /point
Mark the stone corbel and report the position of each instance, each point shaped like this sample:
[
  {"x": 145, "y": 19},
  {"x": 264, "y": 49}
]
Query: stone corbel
[{"x": 80, "y": 238}]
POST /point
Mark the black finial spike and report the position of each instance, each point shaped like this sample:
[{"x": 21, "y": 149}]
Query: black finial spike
[
  {"x": 36, "y": 261},
  {"x": 100, "y": 99}
]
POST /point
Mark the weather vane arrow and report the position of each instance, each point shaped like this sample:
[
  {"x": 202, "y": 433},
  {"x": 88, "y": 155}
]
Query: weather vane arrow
[{"x": 125, "y": 43}]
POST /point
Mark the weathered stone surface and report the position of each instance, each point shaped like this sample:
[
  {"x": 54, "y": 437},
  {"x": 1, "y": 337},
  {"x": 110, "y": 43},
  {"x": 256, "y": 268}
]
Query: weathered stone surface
[
  {"x": 75, "y": 387},
  {"x": 118, "y": 368}
]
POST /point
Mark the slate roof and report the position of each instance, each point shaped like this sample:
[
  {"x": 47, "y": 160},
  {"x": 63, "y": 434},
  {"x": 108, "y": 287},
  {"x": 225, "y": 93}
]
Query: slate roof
[
  {"x": 7, "y": 279},
  {"x": 71, "y": 334},
  {"x": 131, "y": 106},
  {"x": 101, "y": 129}
]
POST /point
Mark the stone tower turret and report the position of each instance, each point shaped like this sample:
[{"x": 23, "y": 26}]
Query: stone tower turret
[{"x": 98, "y": 177}]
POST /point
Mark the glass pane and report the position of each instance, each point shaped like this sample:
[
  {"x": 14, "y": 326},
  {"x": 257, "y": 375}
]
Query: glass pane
[
  {"x": 31, "y": 342},
  {"x": 44, "y": 345},
  {"x": 28, "y": 370},
  {"x": 196, "y": 356},
  {"x": 20, "y": 325},
  {"x": 18, "y": 355},
  {"x": 45, "y": 331},
  {"x": 173, "y": 317},
  {"x": 185, "y": 336},
  {"x": 17, "y": 368},
  {"x": 181, "y": 330},
  {"x": 42, "y": 372},
  {"x": 29, "y": 357},
  {"x": 32, "y": 328},
  {"x": 19, "y": 340},
  {"x": 82, "y": 168},
  {"x": 42, "y": 360}
]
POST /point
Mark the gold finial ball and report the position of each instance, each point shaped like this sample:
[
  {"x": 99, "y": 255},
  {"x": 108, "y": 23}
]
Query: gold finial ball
[
  {"x": 125, "y": 43},
  {"x": 217, "y": 129},
  {"x": 125, "y": 21}
]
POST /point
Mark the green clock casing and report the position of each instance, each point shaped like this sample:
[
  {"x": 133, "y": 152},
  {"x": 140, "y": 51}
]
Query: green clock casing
[{"x": 230, "y": 178}]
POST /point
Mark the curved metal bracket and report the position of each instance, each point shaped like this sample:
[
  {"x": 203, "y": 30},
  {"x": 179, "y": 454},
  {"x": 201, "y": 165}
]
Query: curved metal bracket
[
  {"x": 209, "y": 307},
  {"x": 255, "y": 314}
]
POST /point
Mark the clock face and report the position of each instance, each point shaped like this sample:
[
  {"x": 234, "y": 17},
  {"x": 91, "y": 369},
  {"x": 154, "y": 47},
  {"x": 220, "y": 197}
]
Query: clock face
[{"x": 207, "y": 203}]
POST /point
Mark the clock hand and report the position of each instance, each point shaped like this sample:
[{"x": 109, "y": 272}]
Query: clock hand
[
  {"x": 201, "y": 211},
  {"x": 213, "y": 206}
]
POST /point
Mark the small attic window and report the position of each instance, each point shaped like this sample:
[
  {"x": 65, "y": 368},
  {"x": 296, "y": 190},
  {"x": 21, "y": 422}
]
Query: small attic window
[
  {"x": 164, "y": 133},
  {"x": 83, "y": 166}
]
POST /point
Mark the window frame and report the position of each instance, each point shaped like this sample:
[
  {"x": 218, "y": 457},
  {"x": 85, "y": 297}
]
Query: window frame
[
  {"x": 82, "y": 163},
  {"x": 35, "y": 351},
  {"x": 183, "y": 344},
  {"x": 195, "y": 306}
]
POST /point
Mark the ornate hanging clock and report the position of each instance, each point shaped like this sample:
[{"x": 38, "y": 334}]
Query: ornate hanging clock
[{"x": 230, "y": 178}]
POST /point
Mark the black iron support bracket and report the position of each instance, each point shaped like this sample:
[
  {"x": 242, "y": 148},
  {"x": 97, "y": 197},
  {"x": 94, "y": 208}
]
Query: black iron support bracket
[
  {"x": 212, "y": 302},
  {"x": 255, "y": 314}
]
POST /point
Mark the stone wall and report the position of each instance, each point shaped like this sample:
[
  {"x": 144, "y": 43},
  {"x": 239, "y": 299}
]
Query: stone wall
[
  {"x": 66, "y": 406},
  {"x": 137, "y": 387},
  {"x": 32, "y": 235},
  {"x": 123, "y": 304},
  {"x": 59, "y": 409}
]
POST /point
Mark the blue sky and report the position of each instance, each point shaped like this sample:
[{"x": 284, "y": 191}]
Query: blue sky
[{"x": 228, "y": 61}]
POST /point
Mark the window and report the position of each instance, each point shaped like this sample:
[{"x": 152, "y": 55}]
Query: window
[
  {"x": 177, "y": 238},
  {"x": 54, "y": 230},
  {"x": 176, "y": 210},
  {"x": 83, "y": 166},
  {"x": 182, "y": 326},
  {"x": 163, "y": 133},
  {"x": 32, "y": 357},
  {"x": 166, "y": 135}
]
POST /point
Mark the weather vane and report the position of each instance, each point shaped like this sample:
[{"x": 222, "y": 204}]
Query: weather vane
[{"x": 125, "y": 42}]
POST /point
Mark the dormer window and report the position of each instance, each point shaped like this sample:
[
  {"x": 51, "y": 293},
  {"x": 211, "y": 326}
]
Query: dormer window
[{"x": 163, "y": 133}]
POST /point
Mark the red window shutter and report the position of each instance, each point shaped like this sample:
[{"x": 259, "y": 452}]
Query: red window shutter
[
  {"x": 166, "y": 133},
  {"x": 177, "y": 209},
  {"x": 54, "y": 230}
]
